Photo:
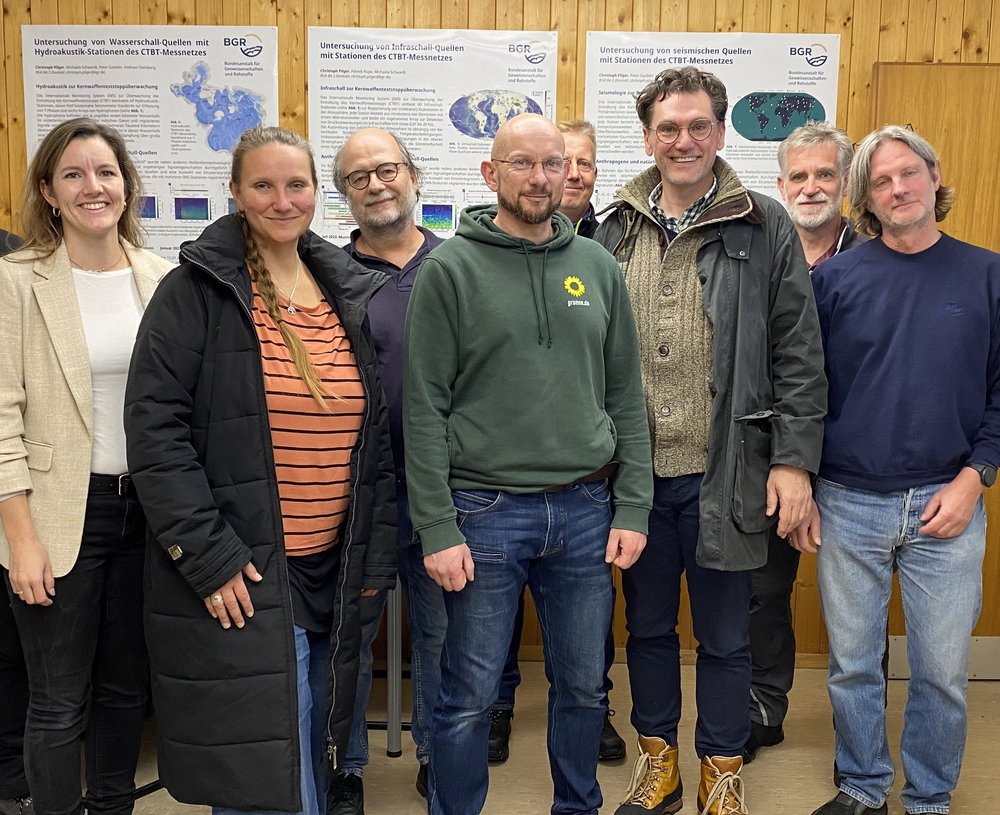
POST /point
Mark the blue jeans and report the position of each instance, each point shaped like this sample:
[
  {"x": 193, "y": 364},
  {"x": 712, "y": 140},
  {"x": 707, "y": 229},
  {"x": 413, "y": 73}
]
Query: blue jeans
[
  {"x": 864, "y": 534},
  {"x": 312, "y": 670},
  {"x": 554, "y": 542},
  {"x": 720, "y": 612},
  {"x": 427, "y": 623}
]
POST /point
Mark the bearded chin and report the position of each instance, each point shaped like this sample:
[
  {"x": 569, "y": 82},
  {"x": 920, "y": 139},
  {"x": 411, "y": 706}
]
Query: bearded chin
[{"x": 524, "y": 215}]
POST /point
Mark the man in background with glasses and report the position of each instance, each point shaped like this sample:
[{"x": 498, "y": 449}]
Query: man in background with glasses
[
  {"x": 735, "y": 395},
  {"x": 375, "y": 172},
  {"x": 523, "y": 411}
]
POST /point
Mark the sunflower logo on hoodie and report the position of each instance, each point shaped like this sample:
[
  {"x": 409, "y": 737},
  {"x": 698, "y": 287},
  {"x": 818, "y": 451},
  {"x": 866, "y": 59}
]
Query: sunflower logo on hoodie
[{"x": 574, "y": 286}]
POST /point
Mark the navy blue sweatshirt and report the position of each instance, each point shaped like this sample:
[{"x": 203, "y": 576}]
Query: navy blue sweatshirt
[{"x": 912, "y": 346}]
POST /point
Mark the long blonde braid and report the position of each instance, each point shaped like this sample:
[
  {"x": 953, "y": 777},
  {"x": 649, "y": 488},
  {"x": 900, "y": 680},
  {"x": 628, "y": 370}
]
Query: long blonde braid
[{"x": 265, "y": 285}]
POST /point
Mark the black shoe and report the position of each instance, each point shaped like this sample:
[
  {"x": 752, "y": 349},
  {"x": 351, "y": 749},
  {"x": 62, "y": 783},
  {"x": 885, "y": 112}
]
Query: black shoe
[
  {"x": 844, "y": 804},
  {"x": 422, "y": 780},
  {"x": 499, "y": 750},
  {"x": 346, "y": 795},
  {"x": 612, "y": 745},
  {"x": 761, "y": 735}
]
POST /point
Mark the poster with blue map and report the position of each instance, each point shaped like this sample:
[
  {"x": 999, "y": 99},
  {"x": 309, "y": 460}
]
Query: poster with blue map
[
  {"x": 444, "y": 92},
  {"x": 774, "y": 82},
  {"x": 180, "y": 95}
]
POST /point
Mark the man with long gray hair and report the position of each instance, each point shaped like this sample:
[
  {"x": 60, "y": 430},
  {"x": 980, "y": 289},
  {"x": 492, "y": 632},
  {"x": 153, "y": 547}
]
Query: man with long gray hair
[{"x": 911, "y": 330}]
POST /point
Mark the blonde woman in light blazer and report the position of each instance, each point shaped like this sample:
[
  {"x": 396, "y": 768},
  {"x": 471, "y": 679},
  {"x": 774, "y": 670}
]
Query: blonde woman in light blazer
[{"x": 72, "y": 534}]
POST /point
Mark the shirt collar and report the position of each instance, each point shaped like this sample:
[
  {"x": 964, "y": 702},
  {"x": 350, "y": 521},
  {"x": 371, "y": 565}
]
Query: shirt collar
[{"x": 690, "y": 215}]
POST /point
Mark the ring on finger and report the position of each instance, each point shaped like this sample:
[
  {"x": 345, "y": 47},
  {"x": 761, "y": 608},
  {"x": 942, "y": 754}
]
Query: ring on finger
[
  {"x": 216, "y": 599},
  {"x": 19, "y": 593}
]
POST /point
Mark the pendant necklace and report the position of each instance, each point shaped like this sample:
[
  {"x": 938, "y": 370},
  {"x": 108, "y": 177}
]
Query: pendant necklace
[{"x": 290, "y": 308}]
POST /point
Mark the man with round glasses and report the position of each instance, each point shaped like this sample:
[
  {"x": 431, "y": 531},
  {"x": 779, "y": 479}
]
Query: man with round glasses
[
  {"x": 523, "y": 411},
  {"x": 375, "y": 172},
  {"x": 735, "y": 395}
]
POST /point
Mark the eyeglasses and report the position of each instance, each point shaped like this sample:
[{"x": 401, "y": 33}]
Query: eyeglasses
[
  {"x": 699, "y": 130},
  {"x": 553, "y": 166},
  {"x": 387, "y": 172},
  {"x": 583, "y": 166}
]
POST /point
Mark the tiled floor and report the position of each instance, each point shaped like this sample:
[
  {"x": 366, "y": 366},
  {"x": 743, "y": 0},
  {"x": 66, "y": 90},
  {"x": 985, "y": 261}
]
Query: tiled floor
[{"x": 792, "y": 779}]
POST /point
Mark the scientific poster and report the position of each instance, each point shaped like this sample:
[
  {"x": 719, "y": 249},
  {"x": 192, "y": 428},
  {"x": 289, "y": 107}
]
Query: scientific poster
[
  {"x": 775, "y": 83},
  {"x": 444, "y": 93},
  {"x": 181, "y": 96}
]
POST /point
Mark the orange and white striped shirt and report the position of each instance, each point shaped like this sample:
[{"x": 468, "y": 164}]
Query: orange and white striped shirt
[{"x": 312, "y": 446}]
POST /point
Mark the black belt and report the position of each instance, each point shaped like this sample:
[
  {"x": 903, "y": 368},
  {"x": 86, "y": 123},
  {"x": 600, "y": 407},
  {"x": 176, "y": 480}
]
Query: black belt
[
  {"x": 605, "y": 473},
  {"x": 114, "y": 484}
]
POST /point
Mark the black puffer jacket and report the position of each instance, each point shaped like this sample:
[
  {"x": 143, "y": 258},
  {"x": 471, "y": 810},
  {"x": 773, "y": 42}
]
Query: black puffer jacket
[{"x": 199, "y": 450}]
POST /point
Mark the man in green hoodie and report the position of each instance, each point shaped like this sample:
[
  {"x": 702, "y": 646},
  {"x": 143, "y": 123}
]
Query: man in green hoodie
[{"x": 523, "y": 412}]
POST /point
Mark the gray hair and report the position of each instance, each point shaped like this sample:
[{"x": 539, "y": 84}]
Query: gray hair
[
  {"x": 859, "y": 181},
  {"x": 340, "y": 182},
  {"x": 817, "y": 134}
]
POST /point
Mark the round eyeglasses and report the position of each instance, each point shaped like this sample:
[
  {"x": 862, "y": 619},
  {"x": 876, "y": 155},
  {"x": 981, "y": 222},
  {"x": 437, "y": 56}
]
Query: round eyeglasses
[
  {"x": 699, "y": 130},
  {"x": 553, "y": 166},
  {"x": 387, "y": 172}
]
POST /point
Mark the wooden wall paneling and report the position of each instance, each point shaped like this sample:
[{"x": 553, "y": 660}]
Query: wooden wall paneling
[
  {"x": 346, "y": 14},
  {"x": 96, "y": 12},
  {"x": 399, "y": 13},
  {"x": 701, "y": 15},
  {"x": 976, "y": 31},
  {"x": 618, "y": 15},
  {"x": 482, "y": 14},
  {"x": 537, "y": 16},
  {"x": 372, "y": 15},
  {"x": 215, "y": 12},
  {"x": 784, "y": 16},
  {"x": 893, "y": 31},
  {"x": 236, "y": 12},
  {"x": 757, "y": 16},
  {"x": 995, "y": 33},
  {"x": 454, "y": 14},
  {"x": 646, "y": 15},
  {"x": 812, "y": 17},
  {"x": 264, "y": 12},
  {"x": 510, "y": 15},
  {"x": 864, "y": 54},
  {"x": 840, "y": 20},
  {"x": 292, "y": 46},
  {"x": 989, "y": 617},
  {"x": 317, "y": 13},
  {"x": 572, "y": 59},
  {"x": 179, "y": 12},
  {"x": 427, "y": 14},
  {"x": 729, "y": 15},
  {"x": 589, "y": 17},
  {"x": 15, "y": 13},
  {"x": 948, "y": 31},
  {"x": 6, "y": 205},
  {"x": 673, "y": 15},
  {"x": 920, "y": 16}
]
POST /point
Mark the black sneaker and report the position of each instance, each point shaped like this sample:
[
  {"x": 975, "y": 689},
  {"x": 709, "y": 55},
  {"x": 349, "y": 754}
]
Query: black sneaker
[
  {"x": 346, "y": 795},
  {"x": 422, "y": 781},
  {"x": 499, "y": 750},
  {"x": 844, "y": 804},
  {"x": 761, "y": 735},
  {"x": 612, "y": 745}
]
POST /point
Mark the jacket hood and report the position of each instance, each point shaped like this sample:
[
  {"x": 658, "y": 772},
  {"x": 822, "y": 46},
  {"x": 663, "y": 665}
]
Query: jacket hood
[
  {"x": 220, "y": 250},
  {"x": 477, "y": 225}
]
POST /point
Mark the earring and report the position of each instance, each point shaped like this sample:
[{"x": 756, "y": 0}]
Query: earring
[{"x": 56, "y": 212}]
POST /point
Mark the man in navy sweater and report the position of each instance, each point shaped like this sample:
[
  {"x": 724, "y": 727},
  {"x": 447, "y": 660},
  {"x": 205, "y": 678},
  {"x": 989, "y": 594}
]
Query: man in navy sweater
[{"x": 911, "y": 330}]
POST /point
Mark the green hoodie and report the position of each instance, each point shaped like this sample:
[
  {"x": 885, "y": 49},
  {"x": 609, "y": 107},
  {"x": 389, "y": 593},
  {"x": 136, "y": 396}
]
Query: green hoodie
[{"x": 522, "y": 372}]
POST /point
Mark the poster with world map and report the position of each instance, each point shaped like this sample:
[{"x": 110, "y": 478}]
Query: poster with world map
[
  {"x": 181, "y": 96},
  {"x": 775, "y": 83},
  {"x": 444, "y": 92}
]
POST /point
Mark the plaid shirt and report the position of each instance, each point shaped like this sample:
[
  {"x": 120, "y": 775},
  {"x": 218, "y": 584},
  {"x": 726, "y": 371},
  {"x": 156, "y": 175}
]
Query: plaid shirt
[{"x": 691, "y": 214}]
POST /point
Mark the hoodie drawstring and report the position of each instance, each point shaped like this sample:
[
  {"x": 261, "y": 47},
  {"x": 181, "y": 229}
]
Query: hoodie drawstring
[{"x": 541, "y": 311}]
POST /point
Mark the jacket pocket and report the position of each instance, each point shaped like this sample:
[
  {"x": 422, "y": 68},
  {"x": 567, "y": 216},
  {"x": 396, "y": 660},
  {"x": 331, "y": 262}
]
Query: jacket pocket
[
  {"x": 753, "y": 463},
  {"x": 39, "y": 455}
]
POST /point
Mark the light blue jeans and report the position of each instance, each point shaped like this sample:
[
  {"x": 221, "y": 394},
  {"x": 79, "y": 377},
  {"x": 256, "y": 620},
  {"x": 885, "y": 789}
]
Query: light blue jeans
[
  {"x": 864, "y": 534},
  {"x": 312, "y": 658}
]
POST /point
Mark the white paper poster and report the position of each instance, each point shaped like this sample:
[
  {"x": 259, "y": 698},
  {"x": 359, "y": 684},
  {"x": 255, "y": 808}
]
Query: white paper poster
[
  {"x": 444, "y": 93},
  {"x": 181, "y": 96},
  {"x": 775, "y": 83}
]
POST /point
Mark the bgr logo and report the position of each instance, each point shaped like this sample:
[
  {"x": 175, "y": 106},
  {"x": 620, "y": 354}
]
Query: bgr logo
[
  {"x": 815, "y": 54},
  {"x": 249, "y": 44},
  {"x": 534, "y": 52}
]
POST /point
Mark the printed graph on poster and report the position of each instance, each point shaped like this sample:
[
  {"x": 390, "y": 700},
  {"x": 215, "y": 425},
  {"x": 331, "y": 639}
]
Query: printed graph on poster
[
  {"x": 772, "y": 116},
  {"x": 480, "y": 114}
]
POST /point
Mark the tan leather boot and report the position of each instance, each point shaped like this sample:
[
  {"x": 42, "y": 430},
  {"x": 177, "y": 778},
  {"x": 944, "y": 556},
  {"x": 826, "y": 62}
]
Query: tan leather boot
[
  {"x": 656, "y": 781},
  {"x": 721, "y": 789}
]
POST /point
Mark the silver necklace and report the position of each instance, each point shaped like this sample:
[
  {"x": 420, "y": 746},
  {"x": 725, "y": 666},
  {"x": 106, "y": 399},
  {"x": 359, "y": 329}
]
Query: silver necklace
[
  {"x": 290, "y": 308},
  {"x": 75, "y": 265}
]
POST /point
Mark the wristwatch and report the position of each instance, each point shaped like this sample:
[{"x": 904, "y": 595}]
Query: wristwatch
[{"x": 987, "y": 474}]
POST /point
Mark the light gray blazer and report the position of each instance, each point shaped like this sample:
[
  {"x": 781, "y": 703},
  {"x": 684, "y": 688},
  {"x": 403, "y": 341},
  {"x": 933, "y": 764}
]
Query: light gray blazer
[{"x": 46, "y": 402}]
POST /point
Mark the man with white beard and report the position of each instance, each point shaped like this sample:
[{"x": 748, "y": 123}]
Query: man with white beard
[{"x": 814, "y": 161}]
